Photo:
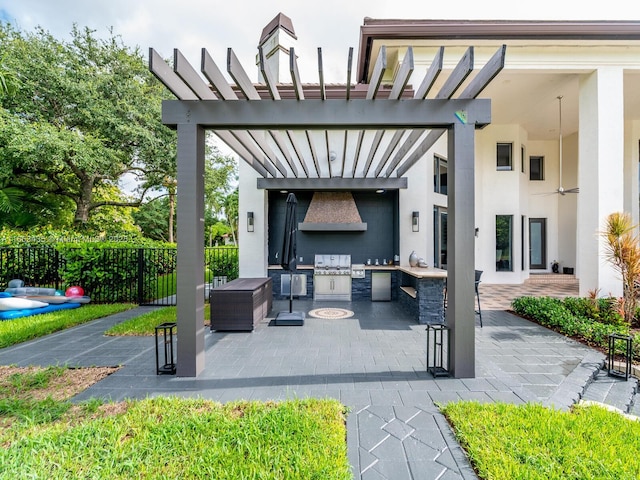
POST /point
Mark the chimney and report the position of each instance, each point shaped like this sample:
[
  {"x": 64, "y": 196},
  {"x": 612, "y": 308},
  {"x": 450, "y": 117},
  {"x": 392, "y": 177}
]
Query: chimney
[{"x": 276, "y": 40}]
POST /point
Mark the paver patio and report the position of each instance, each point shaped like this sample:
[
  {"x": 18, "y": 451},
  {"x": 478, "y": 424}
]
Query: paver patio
[{"x": 373, "y": 362}]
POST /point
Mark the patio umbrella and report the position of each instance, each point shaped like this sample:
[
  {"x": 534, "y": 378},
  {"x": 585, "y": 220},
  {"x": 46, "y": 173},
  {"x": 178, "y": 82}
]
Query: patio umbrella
[
  {"x": 288, "y": 254},
  {"x": 288, "y": 261}
]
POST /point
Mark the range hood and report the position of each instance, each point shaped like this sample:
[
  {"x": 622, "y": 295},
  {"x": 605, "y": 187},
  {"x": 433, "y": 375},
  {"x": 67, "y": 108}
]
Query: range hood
[{"x": 332, "y": 212}]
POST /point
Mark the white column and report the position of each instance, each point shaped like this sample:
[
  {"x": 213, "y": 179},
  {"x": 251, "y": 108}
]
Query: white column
[
  {"x": 600, "y": 176},
  {"x": 252, "y": 245},
  {"x": 631, "y": 187}
]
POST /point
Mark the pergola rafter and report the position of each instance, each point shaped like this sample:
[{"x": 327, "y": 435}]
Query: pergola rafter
[{"x": 387, "y": 154}]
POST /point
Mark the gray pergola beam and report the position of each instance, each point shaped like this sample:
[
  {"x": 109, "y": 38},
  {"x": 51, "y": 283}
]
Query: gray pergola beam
[
  {"x": 336, "y": 183},
  {"x": 282, "y": 146},
  {"x": 244, "y": 83},
  {"x": 295, "y": 74},
  {"x": 189, "y": 76},
  {"x": 378, "y": 72},
  {"x": 424, "y": 146},
  {"x": 323, "y": 91},
  {"x": 431, "y": 76},
  {"x": 486, "y": 74},
  {"x": 168, "y": 77},
  {"x": 320, "y": 114},
  {"x": 459, "y": 75},
  {"x": 237, "y": 147},
  {"x": 349, "y": 72},
  {"x": 399, "y": 84},
  {"x": 268, "y": 77},
  {"x": 210, "y": 70},
  {"x": 475, "y": 87},
  {"x": 296, "y": 148}
]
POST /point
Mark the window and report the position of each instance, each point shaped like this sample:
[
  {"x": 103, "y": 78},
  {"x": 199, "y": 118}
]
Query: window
[
  {"x": 439, "y": 175},
  {"x": 522, "y": 157},
  {"x": 504, "y": 243},
  {"x": 536, "y": 168},
  {"x": 504, "y": 153}
]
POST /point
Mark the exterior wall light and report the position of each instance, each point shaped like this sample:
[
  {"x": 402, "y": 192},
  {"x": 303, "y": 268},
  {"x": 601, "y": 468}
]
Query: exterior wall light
[
  {"x": 415, "y": 221},
  {"x": 250, "y": 226}
]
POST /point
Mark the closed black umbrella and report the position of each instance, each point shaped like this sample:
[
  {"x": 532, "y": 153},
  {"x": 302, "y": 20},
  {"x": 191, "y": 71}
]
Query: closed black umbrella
[
  {"x": 288, "y": 261},
  {"x": 288, "y": 254}
]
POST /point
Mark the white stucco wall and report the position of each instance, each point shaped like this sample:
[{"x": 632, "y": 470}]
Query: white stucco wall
[{"x": 252, "y": 245}]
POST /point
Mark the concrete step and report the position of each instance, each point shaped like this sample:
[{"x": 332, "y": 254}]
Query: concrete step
[
  {"x": 551, "y": 278},
  {"x": 613, "y": 391}
]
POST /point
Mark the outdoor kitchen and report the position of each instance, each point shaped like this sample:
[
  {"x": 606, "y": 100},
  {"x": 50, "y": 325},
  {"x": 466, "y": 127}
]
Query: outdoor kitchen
[{"x": 347, "y": 244}]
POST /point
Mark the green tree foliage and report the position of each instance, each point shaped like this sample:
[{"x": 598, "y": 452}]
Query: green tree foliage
[
  {"x": 78, "y": 116},
  {"x": 153, "y": 218},
  {"x": 221, "y": 191}
]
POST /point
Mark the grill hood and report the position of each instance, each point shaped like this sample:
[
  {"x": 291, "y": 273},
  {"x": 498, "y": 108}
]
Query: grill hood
[{"x": 333, "y": 212}]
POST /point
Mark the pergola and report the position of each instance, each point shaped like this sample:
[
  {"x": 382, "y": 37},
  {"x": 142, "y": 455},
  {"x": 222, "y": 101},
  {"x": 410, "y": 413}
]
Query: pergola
[{"x": 263, "y": 124}]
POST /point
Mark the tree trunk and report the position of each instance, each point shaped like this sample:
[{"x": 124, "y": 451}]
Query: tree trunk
[{"x": 83, "y": 202}]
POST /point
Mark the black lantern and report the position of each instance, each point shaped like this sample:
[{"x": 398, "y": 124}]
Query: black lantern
[
  {"x": 165, "y": 334},
  {"x": 623, "y": 346},
  {"x": 438, "y": 349}
]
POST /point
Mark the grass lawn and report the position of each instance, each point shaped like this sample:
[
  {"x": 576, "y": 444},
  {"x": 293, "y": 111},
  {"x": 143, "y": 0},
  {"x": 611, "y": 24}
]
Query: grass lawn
[
  {"x": 531, "y": 442},
  {"x": 145, "y": 324},
  {"x": 167, "y": 437},
  {"x": 22, "y": 329}
]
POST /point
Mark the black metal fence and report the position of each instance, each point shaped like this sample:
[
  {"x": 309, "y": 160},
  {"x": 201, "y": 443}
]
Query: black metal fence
[{"x": 146, "y": 276}]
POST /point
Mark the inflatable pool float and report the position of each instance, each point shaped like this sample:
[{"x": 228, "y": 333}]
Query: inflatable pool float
[
  {"x": 15, "y": 303},
  {"x": 11, "y": 314},
  {"x": 30, "y": 291},
  {"x": 80, "y": 299},
  {"x": 50, "y": 299}
]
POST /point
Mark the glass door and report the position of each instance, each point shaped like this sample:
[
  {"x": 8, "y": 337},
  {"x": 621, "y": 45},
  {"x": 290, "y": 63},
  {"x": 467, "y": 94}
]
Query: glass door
[
  {"x": 440, "y": 237},
  {"x": 537, "y": 243}
]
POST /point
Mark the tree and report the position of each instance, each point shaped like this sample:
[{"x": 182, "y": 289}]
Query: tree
[
  {"x": 220, "y": 190},
  {"x": 623, "y": 252},
  {"x": 83, "y": 113}
]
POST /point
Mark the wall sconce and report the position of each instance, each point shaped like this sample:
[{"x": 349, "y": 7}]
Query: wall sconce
[
  {"x": 249, "y": 221},
  {"x": 415, "y": 221}
]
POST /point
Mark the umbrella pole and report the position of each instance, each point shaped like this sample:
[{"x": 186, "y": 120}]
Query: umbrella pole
[{"x": 291, "y": 293}]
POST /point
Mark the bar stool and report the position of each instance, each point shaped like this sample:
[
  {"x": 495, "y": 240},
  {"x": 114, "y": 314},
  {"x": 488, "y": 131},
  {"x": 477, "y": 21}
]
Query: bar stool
[{"x": 478, "y": 274}]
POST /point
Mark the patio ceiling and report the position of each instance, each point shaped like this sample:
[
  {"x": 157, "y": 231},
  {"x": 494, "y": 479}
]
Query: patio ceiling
[{"x": 337, "y": 154}]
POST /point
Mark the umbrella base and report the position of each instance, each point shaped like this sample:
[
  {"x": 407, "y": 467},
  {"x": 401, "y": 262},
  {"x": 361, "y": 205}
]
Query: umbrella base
[{"x": 289, "y": 319}]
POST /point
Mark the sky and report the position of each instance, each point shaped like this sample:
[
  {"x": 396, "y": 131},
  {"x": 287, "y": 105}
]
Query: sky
[{"x": 190, "y": 25}]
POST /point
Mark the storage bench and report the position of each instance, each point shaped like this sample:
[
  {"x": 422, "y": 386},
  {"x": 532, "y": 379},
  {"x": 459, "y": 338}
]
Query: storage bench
[{"x": 240, "y": 304}]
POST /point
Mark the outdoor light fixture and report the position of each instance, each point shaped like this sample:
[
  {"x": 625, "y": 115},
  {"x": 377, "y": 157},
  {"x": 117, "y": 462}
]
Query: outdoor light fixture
[
  {"x": 477, "y": 231},
  {"x": 415, "y": 221},
  {"x": 249, "y": 221}
]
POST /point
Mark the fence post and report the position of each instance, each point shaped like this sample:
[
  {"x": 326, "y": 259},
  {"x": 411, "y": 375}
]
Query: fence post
[{"x": 140, "y": 276}]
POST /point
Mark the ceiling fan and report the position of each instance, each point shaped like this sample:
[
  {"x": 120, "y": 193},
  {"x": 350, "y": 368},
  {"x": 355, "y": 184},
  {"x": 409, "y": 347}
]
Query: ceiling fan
[{"x": 561, "y": 190}]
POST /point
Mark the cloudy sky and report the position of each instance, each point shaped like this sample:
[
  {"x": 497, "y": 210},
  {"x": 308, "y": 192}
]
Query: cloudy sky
[{"x": 333, "y": 25}]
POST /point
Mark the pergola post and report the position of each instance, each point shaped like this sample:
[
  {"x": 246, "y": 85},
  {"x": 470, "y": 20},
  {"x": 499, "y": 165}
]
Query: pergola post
[
  {"x": 190, "y": 292},
  {"x": 460, "y": 250}
]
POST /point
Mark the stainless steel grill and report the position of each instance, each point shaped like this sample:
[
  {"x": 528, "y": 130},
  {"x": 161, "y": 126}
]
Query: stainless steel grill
[
  {"x": 332, "y": 265},
  {"x": 332, "y": 277}
]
